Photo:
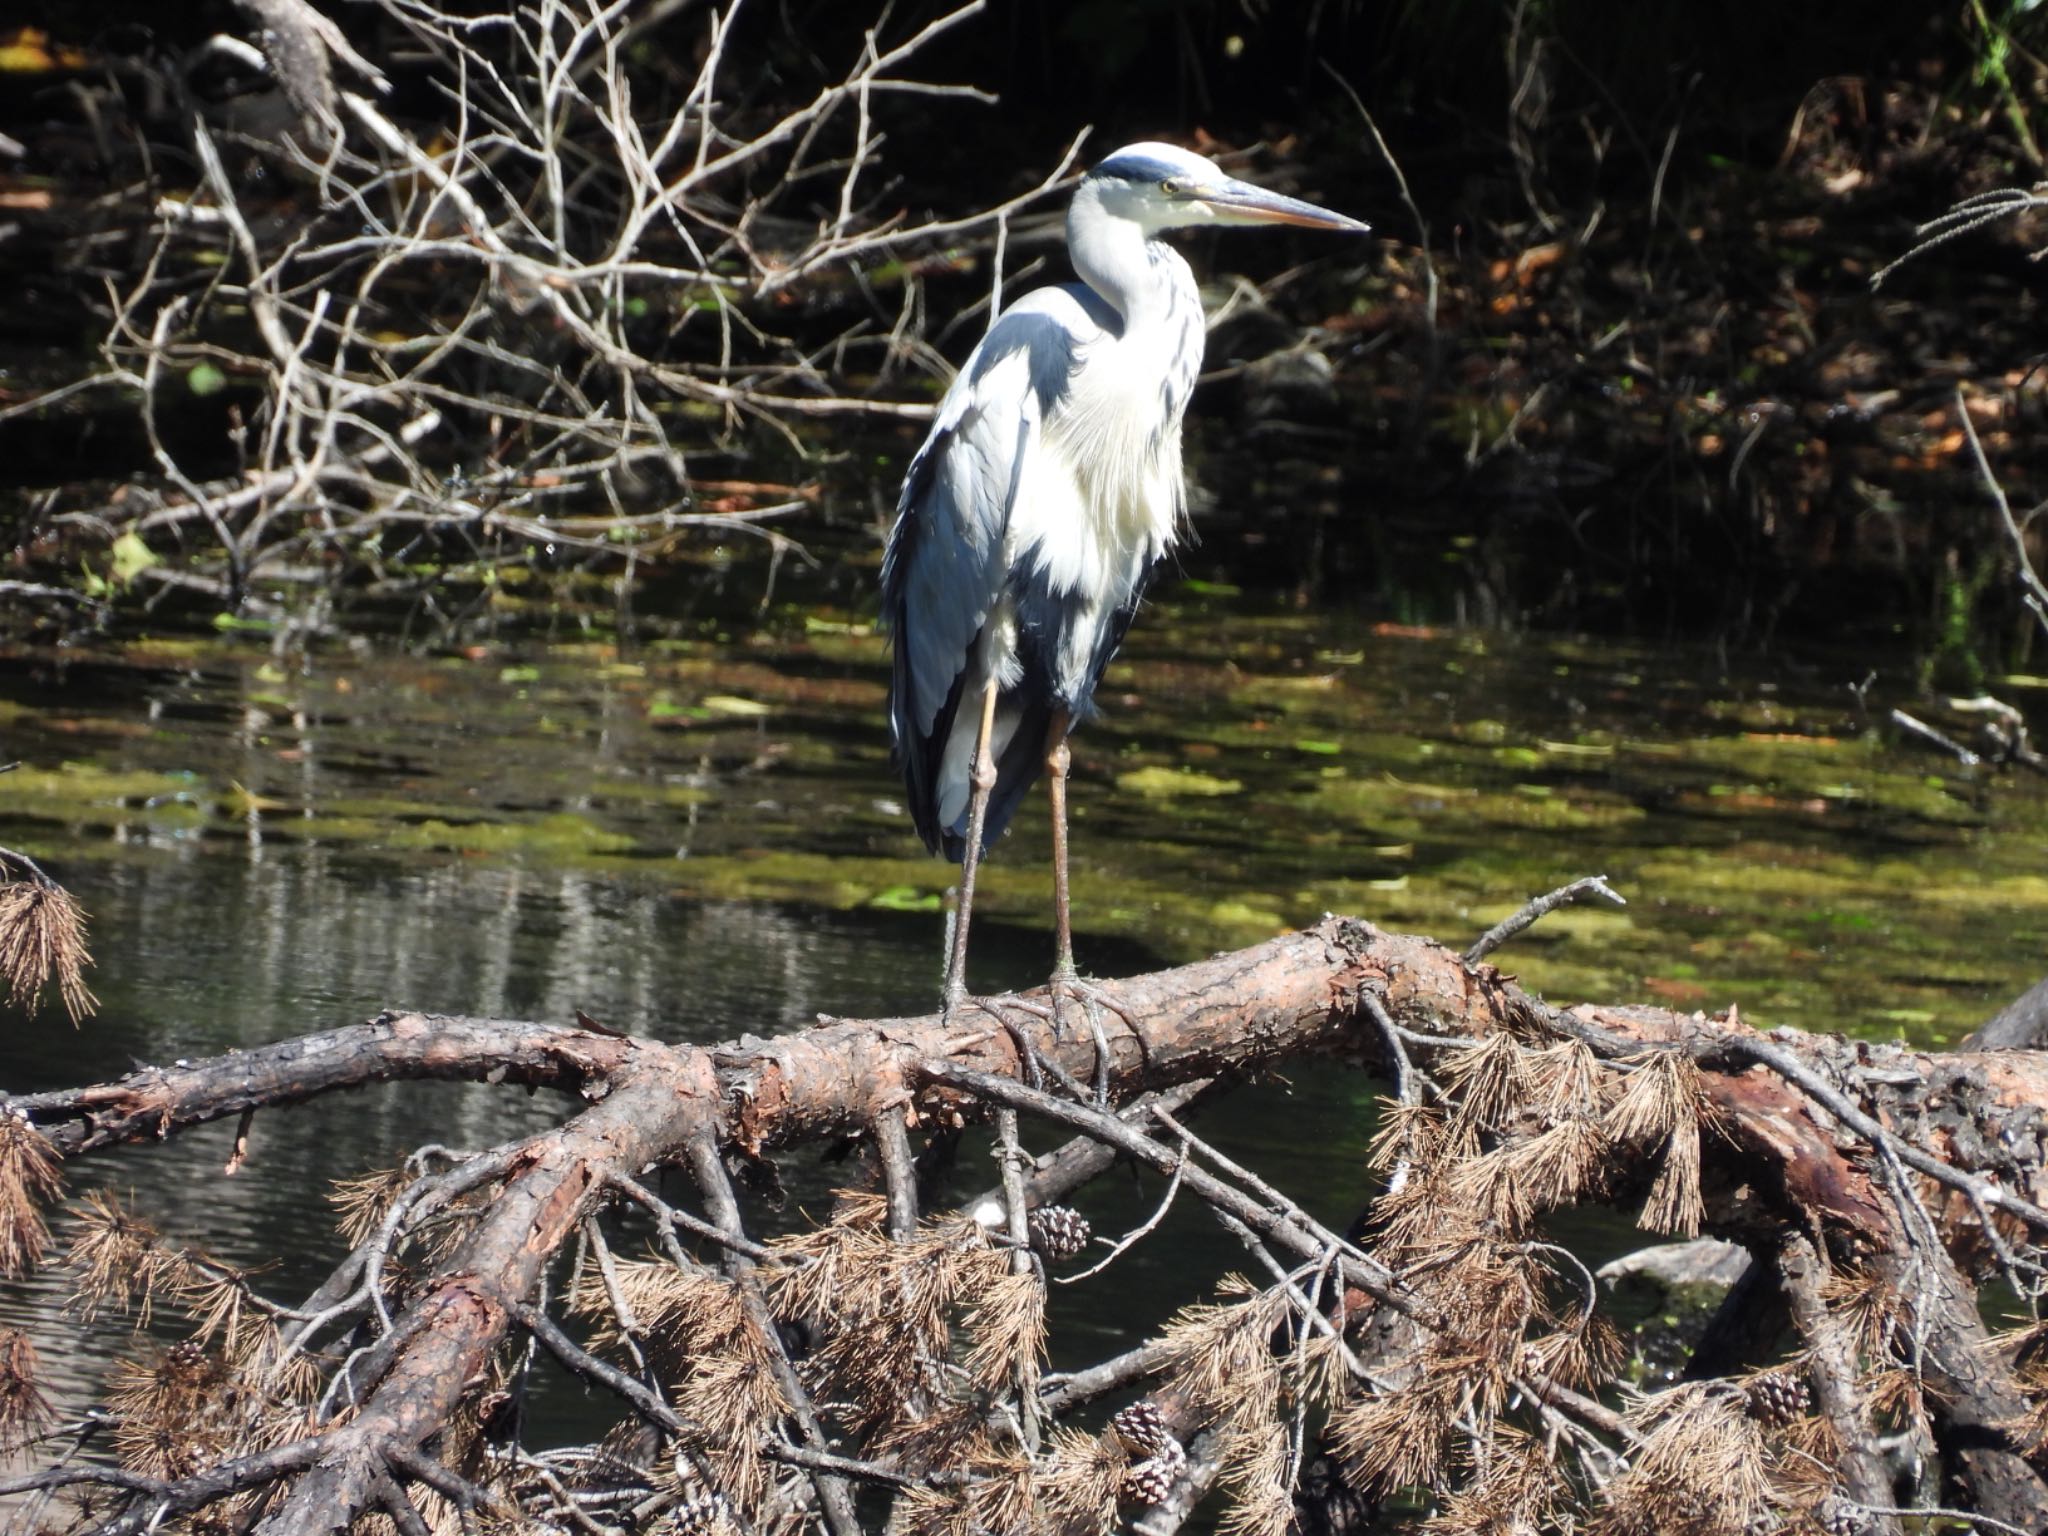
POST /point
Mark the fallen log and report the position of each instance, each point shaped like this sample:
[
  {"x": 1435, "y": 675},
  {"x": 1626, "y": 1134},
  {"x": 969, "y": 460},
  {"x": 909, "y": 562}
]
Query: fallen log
[{"x": 1869, "y": 1149}]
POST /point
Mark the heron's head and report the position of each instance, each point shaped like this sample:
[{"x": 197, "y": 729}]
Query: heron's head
[{"x": 1160, "y": 186}]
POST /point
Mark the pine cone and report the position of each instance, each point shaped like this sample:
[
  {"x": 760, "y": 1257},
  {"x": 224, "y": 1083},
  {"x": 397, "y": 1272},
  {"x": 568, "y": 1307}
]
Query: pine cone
[
  {"x": 1058, "y": 1231},
  {"x": 1142, "y": 1428},
  {"x": 701, "y": 1511},
  {"x": 1839, "y": 1517},
  {"x": 1778, "y": 1397},
  {"x": 1151, "y": 1480}
]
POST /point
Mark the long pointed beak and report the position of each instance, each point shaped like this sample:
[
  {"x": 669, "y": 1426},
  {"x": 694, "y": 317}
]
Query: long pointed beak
[{"x": 1239, "y": 202}]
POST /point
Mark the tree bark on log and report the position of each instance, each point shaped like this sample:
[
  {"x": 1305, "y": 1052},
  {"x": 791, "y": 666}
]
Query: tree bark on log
[{"x": 1292, "y": 995}]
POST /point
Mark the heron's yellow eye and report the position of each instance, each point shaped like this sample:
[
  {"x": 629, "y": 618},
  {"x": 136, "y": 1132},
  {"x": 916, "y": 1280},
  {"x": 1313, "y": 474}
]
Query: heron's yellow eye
[{"x": 1173, "y": 186}]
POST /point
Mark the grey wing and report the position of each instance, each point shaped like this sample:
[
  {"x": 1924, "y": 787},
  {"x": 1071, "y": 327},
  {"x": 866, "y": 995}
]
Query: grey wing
[{"x": 943, "y": 570}]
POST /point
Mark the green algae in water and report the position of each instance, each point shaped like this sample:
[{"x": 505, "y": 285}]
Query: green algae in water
[
  {"x": 85, "y": 786},
  {"x": 561, "y": 834},
  {"x": 84, "y": 795},
  {"x": 1249, "y": 774},
  {"x": 1173, "y": 783},
  {"x": 907, "y": 898}
]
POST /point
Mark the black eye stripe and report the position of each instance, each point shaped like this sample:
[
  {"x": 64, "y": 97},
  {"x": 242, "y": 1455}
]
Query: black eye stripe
[{"x": 1138, "y": 169}]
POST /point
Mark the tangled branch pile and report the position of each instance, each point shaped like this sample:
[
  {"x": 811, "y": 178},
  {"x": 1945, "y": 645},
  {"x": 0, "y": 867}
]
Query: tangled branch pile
[
  {"x": 1445, "y": 1363},
  {"x": 502, "y": 331}
]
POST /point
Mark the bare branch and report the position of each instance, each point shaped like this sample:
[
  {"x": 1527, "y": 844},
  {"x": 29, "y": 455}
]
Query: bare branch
[{"x": 1537, "y": 908}]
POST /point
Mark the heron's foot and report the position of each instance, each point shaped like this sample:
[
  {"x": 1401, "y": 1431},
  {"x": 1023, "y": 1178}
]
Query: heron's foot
[
  {"x": 1027, "y": 1052},
  {"x": 1067, "y": 989},
  {"x": 1064, "y": 982},
  {"x": 951, "y": 1002}
]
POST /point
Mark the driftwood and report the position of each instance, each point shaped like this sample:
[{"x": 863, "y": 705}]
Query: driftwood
[{"x": 1442, "y": 1343}]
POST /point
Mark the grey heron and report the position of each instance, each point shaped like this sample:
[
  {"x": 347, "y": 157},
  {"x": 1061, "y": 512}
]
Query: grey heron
[{"x": 1049, "y": 487}]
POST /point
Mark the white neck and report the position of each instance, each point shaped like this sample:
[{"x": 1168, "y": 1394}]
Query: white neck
[{"x": 1113, "y": 257}]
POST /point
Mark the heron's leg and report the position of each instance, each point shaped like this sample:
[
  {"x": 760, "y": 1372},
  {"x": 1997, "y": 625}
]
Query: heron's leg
[
  {"x": 983, "y": 782},
  {"x": 1065, "y": 979},
  {"x": 1057, "y": 760}
]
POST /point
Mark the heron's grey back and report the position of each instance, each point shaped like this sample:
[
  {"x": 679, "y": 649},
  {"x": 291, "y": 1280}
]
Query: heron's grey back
[{"x": 943, "y": 571}]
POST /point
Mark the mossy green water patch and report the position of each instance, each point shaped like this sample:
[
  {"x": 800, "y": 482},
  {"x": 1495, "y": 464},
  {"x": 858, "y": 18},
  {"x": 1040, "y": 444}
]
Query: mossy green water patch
[
  {"x": 838, "y": 883},
  {"x": 1701, "y": 874},
  {"x": 731, "y": 706},
  {"x": 87, "y": 783},
  {"x": 907, "y": 898},
  {"x": 1539, "y": 807},
  {"x": 1763, "y": 715},
  {"x": 562, "y": 834},
  {"x": 1973, "y": 891},
  {"x": 1815, "y": 774},
  {"x": 1588, "y": 750},
  {"x": 1161, "y": 783},
  {"x": 380, "y": 809},
  {"x": 1242, "y": 915},
  {"x": 1395, "y": 807},
  {"x": 173, "y": 648},
  {"x": 1366, "y": 797},
  {"x": 855, "y": 647},
  {"x": 85, "y": 786},
  {"x": 1293, "y": 695},
  {"x": 1156, "y": 906}
]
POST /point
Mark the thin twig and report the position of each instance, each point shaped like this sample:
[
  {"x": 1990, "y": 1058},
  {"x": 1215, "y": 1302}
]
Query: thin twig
[
  {"x": 668, "y": 1218},
  {"x": 1143, "y": 1229},
  {"x": 2030, "y": 579},
  {"x": 1926, "y": 732},
  {"x": 1537, "y": 908}
]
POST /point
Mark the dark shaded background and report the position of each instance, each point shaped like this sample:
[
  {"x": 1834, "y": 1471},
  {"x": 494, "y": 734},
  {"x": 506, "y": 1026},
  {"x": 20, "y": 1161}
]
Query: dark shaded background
[{"x": 1632, "y": 209}]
